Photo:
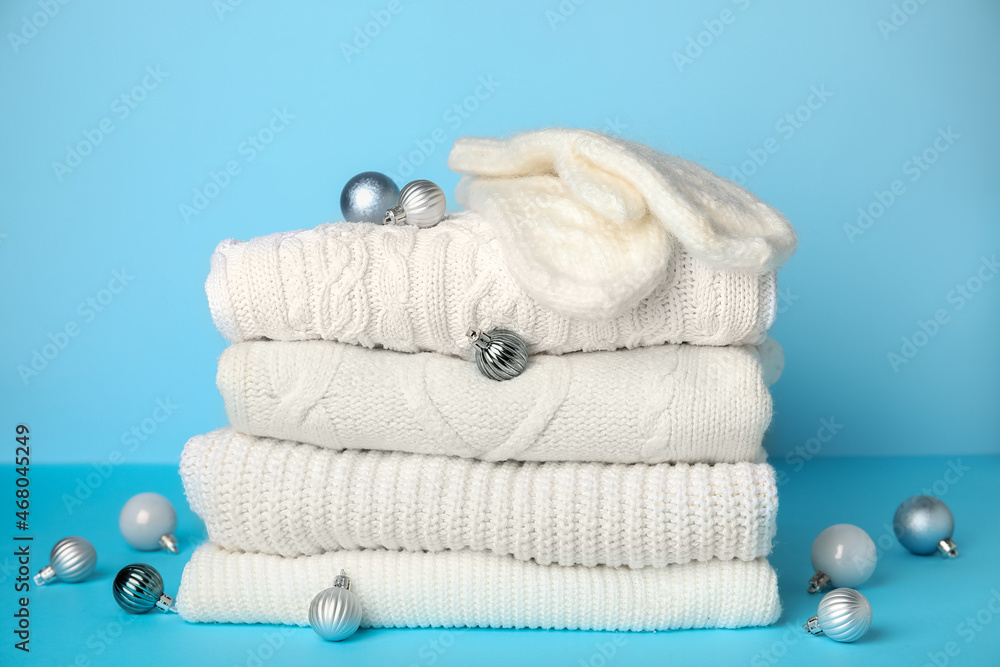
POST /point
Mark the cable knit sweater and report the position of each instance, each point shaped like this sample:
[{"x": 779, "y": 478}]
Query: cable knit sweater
[
  {"x": 470, "y": 589},
  {"x": 677, "y": 403},
  {"x": 411, "y": 290},
  {"x": 257, "y": 494}
]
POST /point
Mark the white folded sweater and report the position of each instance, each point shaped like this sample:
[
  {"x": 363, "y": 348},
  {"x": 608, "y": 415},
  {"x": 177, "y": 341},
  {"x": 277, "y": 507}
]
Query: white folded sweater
[
  {"x": 411, "y": 290},
  {"x": 269, "y": 496},
  {"x": 676, "y": 403},
  {"x": 470, "y": 589}
]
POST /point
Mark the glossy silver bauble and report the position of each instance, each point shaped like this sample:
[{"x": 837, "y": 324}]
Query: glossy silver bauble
[
  {"x": 138, "y": 588},
  {"x": 421, "y": 204},
  {"x": 335, "y": 613},
  {"x": 844, "y": 615},
  {"x": 500, "y": 354},
  {"x": 72, "y": 559}
]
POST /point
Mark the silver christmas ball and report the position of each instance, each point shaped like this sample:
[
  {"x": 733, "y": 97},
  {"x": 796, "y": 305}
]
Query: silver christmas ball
[
  {"x": 72, "y": 559},
  {"x": 366, "y": 197},
  {"x": 138, "y": 588},
  {"x": 842, "y": 555},
  {"x": 844, "y": 615},
  {"x": 500, "y": 354},
  {"x": 148, "y": 521},
  {"x": 924, "y": 524},
  {"x": 421, "y": 204},
  {"x": 335, "y": 613}
]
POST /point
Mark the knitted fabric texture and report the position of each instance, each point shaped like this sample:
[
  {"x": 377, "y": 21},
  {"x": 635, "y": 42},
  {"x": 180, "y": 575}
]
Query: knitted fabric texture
[
  {"x": 411, "y": 290},
  {"x": 677, "y": 403},
  {"x": 470, "y": 589},
  {"x": 588, "y": 223},
  {"x": 263, "y": 495}
]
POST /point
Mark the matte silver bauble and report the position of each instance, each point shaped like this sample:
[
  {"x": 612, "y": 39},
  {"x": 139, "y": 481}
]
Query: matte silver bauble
[
  {"x": 421, "y": 204},
  {"x": 924, "y": 525},
  {"x": 844, "y": 615},
  {"x": 335, "y": 613},
  {"x": 72, "y": 559},
  {"x": 366, "y": 197},
  {"x": 842, "y": 555},
  {"x": 138, "y": 588},
  {"x": 500, "y": 354},
  {"x": 148, "y": 521}
]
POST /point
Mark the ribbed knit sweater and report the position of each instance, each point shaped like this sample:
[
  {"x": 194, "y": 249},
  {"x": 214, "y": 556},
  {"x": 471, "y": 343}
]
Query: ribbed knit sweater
[
  {"x": 474, "y": 589},
  {"x": 263, "y": 495},
  {"x": 411, "y": 290},
  {"x": 676, "y": 403}
]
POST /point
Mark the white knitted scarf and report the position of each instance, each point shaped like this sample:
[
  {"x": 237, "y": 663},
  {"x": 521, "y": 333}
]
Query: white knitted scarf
[
  {"x": 473, "y": 589},
  {"x": 411, "y": 289},
  {"x": 280, "y": 497},
  {"x": 677, "y": 403},
  {"x": 589, "y": 223}
]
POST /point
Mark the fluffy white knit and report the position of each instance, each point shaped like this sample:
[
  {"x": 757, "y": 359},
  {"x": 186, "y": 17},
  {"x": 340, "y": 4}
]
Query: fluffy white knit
[
  {"x": 470, "y": 589},
  {"x": 280, "y": 497},
  {"x": 589, "y": 223},
  {"x": 677, "y": 403},
  {"x": 412, "y": 290}
]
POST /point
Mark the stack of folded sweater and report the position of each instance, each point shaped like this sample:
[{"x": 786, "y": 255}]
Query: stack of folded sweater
[{"x": 617, "y": 484}]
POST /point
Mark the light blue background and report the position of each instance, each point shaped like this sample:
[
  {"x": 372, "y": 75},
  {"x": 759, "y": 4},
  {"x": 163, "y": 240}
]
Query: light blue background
[{"x": 597, "y": 65}]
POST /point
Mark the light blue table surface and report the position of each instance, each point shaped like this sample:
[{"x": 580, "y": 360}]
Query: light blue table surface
[{"x": 924, "y": 606}]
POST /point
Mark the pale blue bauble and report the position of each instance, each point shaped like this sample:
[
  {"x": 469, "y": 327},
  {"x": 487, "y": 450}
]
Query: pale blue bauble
[
  {"x": 922, "y": 523},
  {"x": 846, "y": 554},
  {"x": 367, "y": 197}
]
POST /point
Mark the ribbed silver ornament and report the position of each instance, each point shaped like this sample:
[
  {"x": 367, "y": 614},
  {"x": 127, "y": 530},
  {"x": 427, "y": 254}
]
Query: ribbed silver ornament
[
  {"x": 500, "y": 354},
  {"x": 72, "y": 559},
  {"x": 844, "y": 615},
  {"x": 335, "y": 613},
  {"x": 138, "y": 588},
  {"x": 421, "y": 204}
]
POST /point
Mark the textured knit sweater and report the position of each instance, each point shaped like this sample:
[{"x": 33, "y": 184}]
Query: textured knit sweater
[
  {"x": 676, "y": 403},
  {"x": 257, "y": 494},
  {"x": 411, "y": 289},
  {"x": 470, "y": 589}
]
